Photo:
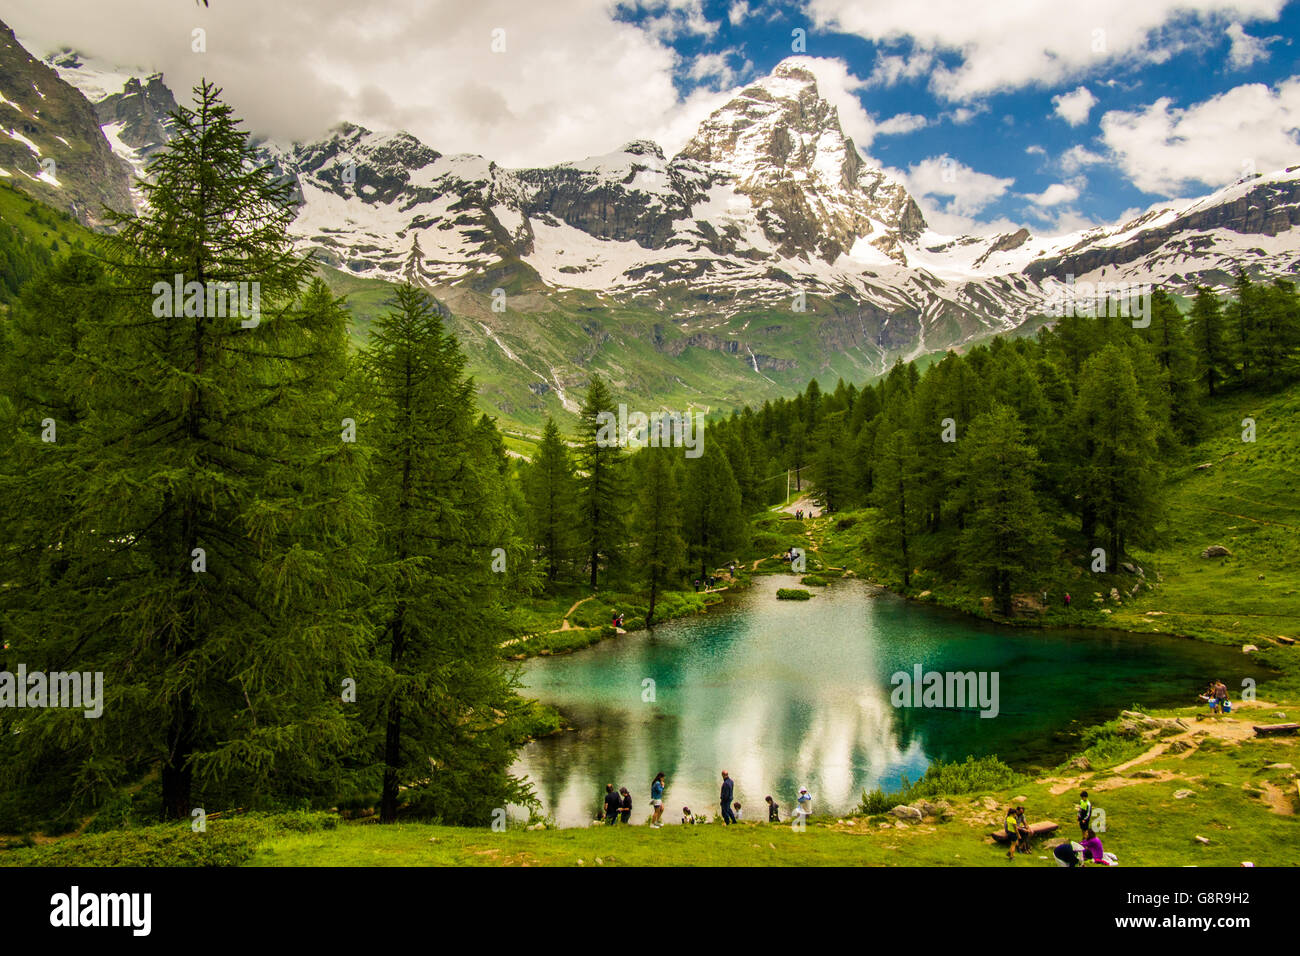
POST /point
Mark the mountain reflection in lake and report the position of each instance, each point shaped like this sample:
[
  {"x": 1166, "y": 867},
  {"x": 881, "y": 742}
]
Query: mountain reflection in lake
[{"x": 786, "y": 694}]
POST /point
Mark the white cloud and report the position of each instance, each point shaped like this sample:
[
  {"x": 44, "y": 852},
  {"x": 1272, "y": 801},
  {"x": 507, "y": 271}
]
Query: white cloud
[
  {"x": 1035, "y": 150},
  {"x": 1251, "y": 127},
  {"x": 1075, "y": 106},
  {"x": 901, "y": 123},
  {"x": 670, "y": 19},
  {"x": 1077, "y": 157},
  {"x": 573, "y": 80},
  {"x": 1054, "y": 195},
  {"x": 964, "y": 114},
  {"x": 1245, "y": 49},
  {"x": 1060, "y": 221},
  {"x": 966, "y": 190},
  {"x": 890, "y": 68},
  {"x": 714, "y": 66},
  {"x": 737, "y": 13},
  {"x": 1009, "y": 45}
]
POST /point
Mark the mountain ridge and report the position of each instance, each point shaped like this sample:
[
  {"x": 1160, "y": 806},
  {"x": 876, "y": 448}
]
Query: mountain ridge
[{"x": 768, "y": 239}]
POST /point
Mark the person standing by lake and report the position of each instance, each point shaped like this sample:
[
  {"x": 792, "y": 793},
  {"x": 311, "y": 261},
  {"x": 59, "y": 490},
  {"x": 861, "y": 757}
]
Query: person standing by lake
[
  {"x": 803, "y": 806},
  {"x": 657, "y": 800},
  {"x": 728, "y": 788},
  {"x": 773, "y": 810},
  {"x": 612, "y": 803},
  {"x": 625, "y": 806}
]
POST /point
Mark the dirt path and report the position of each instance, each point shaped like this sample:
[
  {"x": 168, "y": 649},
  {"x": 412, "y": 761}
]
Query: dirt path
[
  {"x": 1234, "y": 730},
  {"x": 575, "y": 606},
  {"x": 1277, "y": 799},
  {"x": 805, "y": 504},
  {"x": 564, "y": 624}
]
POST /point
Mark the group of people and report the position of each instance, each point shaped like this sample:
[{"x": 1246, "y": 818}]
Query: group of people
[
  {"x": 617, "y": 805},
  {"x": 1088, "y": 848},
  {"x": 1216, "y": 695},
  {"x": 710, "y": 581}
]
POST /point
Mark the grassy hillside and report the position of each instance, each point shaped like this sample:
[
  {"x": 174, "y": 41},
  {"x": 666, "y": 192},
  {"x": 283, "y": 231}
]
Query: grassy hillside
[
  {"x": 32, "y": 235},
  {"x": 535, "y": 358},
  {"x": 1248, "y": 501}
]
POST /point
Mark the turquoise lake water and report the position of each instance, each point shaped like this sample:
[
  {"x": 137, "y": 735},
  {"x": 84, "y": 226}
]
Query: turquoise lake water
[{"x": 786, "y": 694}]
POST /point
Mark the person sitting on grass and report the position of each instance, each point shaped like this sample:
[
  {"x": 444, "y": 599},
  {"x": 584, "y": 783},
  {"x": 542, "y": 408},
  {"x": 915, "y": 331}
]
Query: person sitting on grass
[
  {"x": 688, "y": 818},
  {"x": 1068, "y": 853},
  {"x": 735, "y": 810},
  {"x": 1093, "y": 852}
]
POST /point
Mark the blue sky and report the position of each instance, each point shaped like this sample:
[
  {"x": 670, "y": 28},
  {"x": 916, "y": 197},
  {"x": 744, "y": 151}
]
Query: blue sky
[
  {"x": 1008, "y": 126},
  {"x": 997, "y": 114}
]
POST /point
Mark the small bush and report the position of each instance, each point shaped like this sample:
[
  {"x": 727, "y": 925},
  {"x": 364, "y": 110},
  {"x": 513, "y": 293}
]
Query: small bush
[
  {"x": 226, "y": 842},
  {"x": 814, "y": 580},
  {"x": 792, "y": 594},
  {"x": 974, "y": 775}
]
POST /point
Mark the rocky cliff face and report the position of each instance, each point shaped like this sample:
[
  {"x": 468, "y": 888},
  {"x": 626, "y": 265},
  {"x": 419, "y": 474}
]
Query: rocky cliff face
[
  {"x": 1191, "y": 234},
  {"x": 50, "y": 141},
  {"x": 141, "y": 114},
  {"x": 781, "y": 145}
]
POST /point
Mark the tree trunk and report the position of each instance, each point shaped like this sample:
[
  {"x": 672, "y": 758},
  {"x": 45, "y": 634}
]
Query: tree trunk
[
  {"x": 177, "y": 774},
  {"x": 392, "y": 761}
]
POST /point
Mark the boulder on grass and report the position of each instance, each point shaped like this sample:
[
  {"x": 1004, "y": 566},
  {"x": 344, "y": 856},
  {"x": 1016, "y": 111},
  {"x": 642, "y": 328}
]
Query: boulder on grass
[
  {"x": 907, "y": 813},
  {"x": 1216, "y": 551}
]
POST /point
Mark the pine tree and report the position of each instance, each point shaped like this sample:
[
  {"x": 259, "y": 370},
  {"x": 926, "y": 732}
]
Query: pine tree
[
  {"x": 1120, "y": 471},
  {"x": 833, "y": 463},
  {"x": 551, "y": 490},
  {"x": 215, "y": 514},
  {"x": 1173, "y": 354},
  {"x": 1244, "y": 314},
  {"x": 436, "y": 479},
  {"x": 895, "y": 488},
  {"x": 1208, "y": 339},
  {"x": 712, "y": 521},
  {"x": 1278, "y": 330},
  {"x": 602, "y": 493},
  {"x": 660, "y": 548},
  {"x": 1006, "y": 539}
]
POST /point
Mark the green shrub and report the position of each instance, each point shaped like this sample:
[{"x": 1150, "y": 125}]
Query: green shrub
[
  {"x": 792, "y": 594},
  {"x": 814, "y": 580},
  {"x": 942, "y": 779},
  {"x": 226, "y": 842}
]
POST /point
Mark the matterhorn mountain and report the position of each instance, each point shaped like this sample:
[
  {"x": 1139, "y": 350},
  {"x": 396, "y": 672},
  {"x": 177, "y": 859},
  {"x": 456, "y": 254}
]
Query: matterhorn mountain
[{"x": 767, "y": 251}]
